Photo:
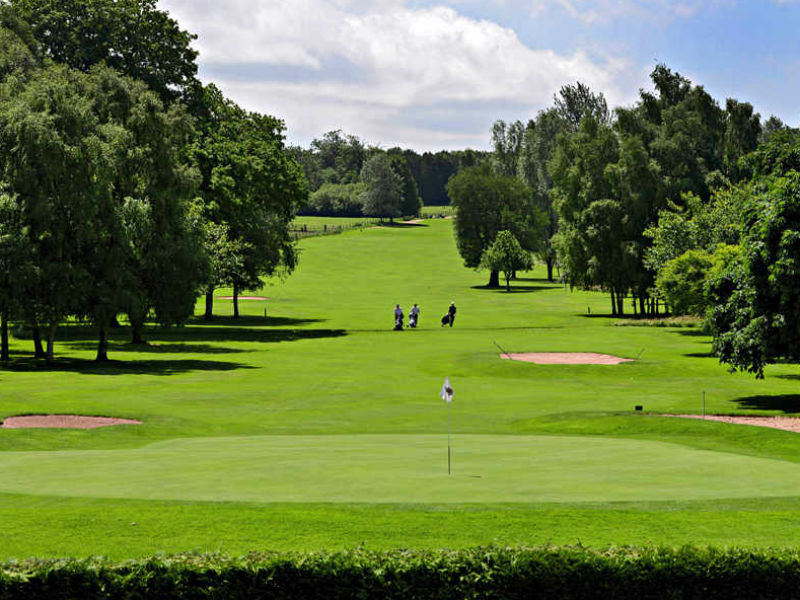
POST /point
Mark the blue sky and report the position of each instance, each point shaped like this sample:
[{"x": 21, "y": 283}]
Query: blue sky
[{"x": 435, "y": 74}]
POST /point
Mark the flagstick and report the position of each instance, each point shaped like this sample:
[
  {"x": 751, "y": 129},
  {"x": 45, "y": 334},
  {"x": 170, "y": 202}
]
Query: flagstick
[{"x": 448, "y": 438}]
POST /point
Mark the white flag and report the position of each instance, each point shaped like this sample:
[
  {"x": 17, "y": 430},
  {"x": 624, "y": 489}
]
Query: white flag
[{"x": 447, "y": 391}]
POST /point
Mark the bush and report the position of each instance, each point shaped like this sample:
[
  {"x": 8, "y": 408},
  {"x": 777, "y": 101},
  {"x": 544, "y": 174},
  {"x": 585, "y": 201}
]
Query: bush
[{"x": 505, "y": 573}]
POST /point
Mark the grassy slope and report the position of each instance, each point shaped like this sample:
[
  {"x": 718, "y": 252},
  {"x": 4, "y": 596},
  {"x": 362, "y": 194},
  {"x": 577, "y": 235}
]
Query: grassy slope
[{"x": 325, "y": 362}]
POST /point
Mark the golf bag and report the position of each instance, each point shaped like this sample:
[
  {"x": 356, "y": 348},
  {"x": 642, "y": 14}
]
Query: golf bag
[
  {"x": 398, "y": 323},
  {"x": 412, "y": 321},
  {"x": 446, "y": 320}
]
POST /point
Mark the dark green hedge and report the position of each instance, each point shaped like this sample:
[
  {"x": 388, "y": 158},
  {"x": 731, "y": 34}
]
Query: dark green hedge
[{"x": 502, "y": 573}]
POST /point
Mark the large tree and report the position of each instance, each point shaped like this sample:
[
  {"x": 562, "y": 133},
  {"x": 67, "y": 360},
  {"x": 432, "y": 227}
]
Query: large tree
[
  {"x": 132, "y": 37},
  {"x": 58, "y": 158},
  {"x": 487, "y": 203},
  {"x": 758, "y": 298},
  {"x": 383, "y": 193},
  {"x": 251, "y": 185}
]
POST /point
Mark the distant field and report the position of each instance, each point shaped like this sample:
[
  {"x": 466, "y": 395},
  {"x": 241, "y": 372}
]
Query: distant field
[{"x": 317, "y": 426}]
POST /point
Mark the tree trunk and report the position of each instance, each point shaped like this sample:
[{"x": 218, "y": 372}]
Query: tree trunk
[
  {"x": 38, "y": 349},
  {"x": 5, "y": 356},
  {"x": 613, "y": 304},
  {"x": 621, "y": 304},
  {"x": 102, "y": 341},
  {"x": 209, "y": 315},
  {"x": 51, "y": 342},
  {"x": 494, "y": 279},
  {"x": 235, "y": 301},
  {"x": 642, "y": 305},
  {"x": 550, "y": 270},
  {"x": 137, "y": 330},
  {"x": 508, "y": 282}
]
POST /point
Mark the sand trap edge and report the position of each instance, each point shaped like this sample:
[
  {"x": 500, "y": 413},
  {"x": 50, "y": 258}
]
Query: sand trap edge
[
  {"x": 63, "y": 422},
  {"x": 777, "y": 422},
  {"x": 566, "y": 358}
]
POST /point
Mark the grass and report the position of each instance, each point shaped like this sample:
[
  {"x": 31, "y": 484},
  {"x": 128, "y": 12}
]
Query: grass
[{"x": 319, "y": 427}]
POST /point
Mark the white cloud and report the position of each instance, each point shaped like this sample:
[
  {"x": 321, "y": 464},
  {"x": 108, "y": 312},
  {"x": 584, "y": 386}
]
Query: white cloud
[{"x": 398, "y": 61}]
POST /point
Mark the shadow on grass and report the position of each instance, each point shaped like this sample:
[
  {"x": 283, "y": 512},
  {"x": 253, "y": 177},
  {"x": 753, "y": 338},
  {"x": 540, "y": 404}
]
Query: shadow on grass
[
  {"x": 399, "y": 225},
  {"x": 155, "y": 348},
  {"x": 113, "y": 367},
  {"x": 788, "y": 403},
  {"x": 701, "y": 355},
  {"x": 247, "y": 321},
  {"x": 515, "y": 289}
]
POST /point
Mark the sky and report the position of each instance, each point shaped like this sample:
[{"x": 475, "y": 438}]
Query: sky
[{"x": 435, "y": 74}]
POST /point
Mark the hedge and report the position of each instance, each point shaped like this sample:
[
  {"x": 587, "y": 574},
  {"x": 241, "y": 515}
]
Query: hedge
[{"x": 501, "y": 573}]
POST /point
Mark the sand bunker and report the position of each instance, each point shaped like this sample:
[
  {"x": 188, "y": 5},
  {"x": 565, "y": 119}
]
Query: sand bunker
[
  {"x": 243, "y": 298},
  {"x": 63, "y": 422},
  {"x": 567, "y": 358},
  {"x": 784, "y": 423}
]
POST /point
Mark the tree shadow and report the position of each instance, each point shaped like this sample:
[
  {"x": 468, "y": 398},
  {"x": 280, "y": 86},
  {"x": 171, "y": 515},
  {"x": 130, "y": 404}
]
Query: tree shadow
[
  {"x": 245, "y": 321},
  {"x": 787, "y": 403},
  {"x": 156, "y": 348},
  {"x": 113, "y": 367},
  {"x": 701, "y": 355},
  {"x": 400, "y": 224},
  {"x": 692, "y": 332},
  {"x": 515, "y": 289}
]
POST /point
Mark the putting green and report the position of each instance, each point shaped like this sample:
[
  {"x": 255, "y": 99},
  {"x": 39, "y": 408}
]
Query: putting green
[{"x": 399, "y": 468}]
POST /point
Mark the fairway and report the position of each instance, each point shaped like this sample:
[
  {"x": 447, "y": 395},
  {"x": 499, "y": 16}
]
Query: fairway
[
  {"x": 316, "y": 426},
  {"x": 399, "y": 469}
]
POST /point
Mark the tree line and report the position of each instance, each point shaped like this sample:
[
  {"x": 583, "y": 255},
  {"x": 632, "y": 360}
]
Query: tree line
[
  {"x": 675, "y": 202},
  {"x": 126, "y": 185},
  {"x": 340, "y": 187}
]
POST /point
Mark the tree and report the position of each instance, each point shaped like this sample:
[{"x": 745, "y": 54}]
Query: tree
[
  {"x": 507, "y": 141},
  {"x": 15, "y": 265},
  {"x": 383, "y": 194},
  {"x": 682, "y": 282},
  {"x": 251, "y": 185},
  {"x": 132, "y": 37},
  {"x": 153, "y": 188},
  {"x": 337, "y": 200},
  {"x": 506, "y": 255},
  {"x": 487, "y": 203},
  {"x": 574, "y": 102},
  {"x": 538, "y": 149},
  {"x": 578, "y": 169},
  {"x": 59, "y": 160},
  {"x": 411, "y": 202},
  {"x": 757, "y": 298}
]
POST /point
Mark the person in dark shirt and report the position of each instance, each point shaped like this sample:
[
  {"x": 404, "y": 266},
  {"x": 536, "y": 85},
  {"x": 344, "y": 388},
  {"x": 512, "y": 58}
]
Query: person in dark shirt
[{"x": 452, "y": 312}]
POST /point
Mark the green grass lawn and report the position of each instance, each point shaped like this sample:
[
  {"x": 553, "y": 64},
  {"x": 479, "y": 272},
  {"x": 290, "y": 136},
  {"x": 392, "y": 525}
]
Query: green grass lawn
[{"x": 319, "y": 427}]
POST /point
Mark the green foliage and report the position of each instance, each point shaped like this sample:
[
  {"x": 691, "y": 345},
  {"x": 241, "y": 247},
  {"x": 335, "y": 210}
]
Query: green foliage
[
  {"x": 487, "y": 203},
  {"x": 411, "y": 202},
  {"x": 250, "y": 185},
  {"x": 506, "y": 255},
  {"x": 491, "y": 572},
  {"x": 84, "y": 33},
  {"x": 682, "y": 280},
  {"x": 758, "y": 299},
  {"x": 337, "y": 200},
  {"x": 383, "y": 193}
]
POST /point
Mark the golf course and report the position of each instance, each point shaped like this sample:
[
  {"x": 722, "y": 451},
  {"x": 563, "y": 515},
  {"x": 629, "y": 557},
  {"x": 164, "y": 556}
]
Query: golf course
[{"x": 308, "y": 423}]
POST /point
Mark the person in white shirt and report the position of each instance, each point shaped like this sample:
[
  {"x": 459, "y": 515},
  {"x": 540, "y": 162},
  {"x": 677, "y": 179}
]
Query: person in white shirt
[
  {"x": 398, "y": 318},
  {"x": 413, "y": 316}
]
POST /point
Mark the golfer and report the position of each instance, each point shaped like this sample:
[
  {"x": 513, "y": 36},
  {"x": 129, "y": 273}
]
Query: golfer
[
  {"x": 413, "y": 316},
  {"x": 452, "y": 312},
  {"x": 398, "y": 318}
]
